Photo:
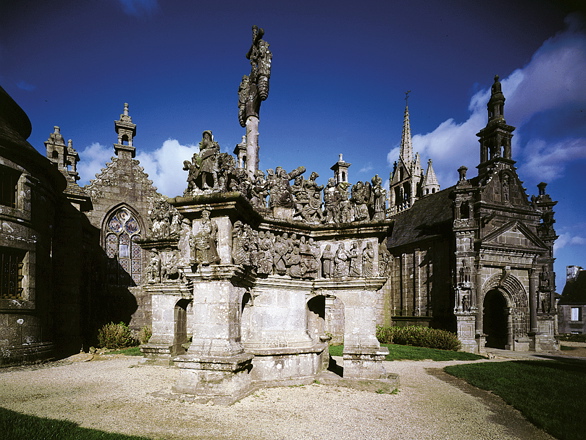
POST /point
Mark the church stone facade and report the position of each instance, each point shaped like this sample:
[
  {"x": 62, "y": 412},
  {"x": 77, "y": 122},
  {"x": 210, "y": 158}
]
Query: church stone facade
[
  {"x": 475, "y": 258},
  {"x": 123, "y": 197},
  {"x": 248, "y": 276}
]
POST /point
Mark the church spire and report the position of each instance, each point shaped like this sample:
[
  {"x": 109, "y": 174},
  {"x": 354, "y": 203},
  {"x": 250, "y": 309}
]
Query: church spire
[
  {"x": 430, "y": 183},
  {"x": 495, "y": 138},
  {"x": 406, "y": 154}
]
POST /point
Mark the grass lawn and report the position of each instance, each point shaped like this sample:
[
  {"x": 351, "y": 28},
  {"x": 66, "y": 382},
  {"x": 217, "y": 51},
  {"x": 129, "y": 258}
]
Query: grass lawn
[
  {"x": 550, "y": 394},
  {"x": 16, "y": 426},
  {"x": 407, "y": 352},
  {"x": 130, "y": 351}
]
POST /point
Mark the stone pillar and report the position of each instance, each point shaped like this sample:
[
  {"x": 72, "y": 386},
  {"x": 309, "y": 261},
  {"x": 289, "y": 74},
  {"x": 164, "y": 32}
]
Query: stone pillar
[
  {"x": 363, "y": 354},
  {"x": 533, "y": 300},
  {"x": 164, "y": 296},
  {"x": 466, "y": 330},
  {"x": 252, "y": 145},
  {"x": 284, "y": 353},
  {"x": 545, "y": 338},
  {"x": 478, "y": 301},
  {"x": 215, "y": 368}
]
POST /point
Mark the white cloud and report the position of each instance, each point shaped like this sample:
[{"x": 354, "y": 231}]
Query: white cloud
[
  {"x": 92, "y": 159},
  {"x": 546, "y": 161},
  {"x": 448, "y": 141},
  {"x": 555, "y": 76},
  {"x": 393, "y": 155},
  {"x": 567, "y": 239},
  {"x": 366, "y": 168},
  {"x": 165, "y": 166},
  {"x": 554, "y": 79}
]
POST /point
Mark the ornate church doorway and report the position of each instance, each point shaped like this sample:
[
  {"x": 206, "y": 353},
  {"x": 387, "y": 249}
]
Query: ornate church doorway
[{"x": 495, "y": 319}]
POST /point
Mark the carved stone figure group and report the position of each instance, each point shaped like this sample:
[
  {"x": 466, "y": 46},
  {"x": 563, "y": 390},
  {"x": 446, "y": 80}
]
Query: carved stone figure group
[
  {"x": 211, "y": 171},
  {"x": 268, "y": 252},
  {"x": 301, "y": 257},
  {"x": 254, "y": 88},
  {"x": 163, "y": 266},
  {"x": 165, "y": 221}
]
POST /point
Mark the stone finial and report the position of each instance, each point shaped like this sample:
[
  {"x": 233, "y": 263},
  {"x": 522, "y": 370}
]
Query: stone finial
[
  {"x": 462, "y": 171},
  {"x": 55, "y": 138},
  {"x": 340, "y": 170}
]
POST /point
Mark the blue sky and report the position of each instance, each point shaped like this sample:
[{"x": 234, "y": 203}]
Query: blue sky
[{"x": 340, "y": 70}]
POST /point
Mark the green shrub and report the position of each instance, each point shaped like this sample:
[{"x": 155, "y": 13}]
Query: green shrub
[
  {"x": 570, "y": 337},
  {"x": 115, "y": 336},
  {"x": 419, "y": 337},
  {"x": 145, "y": 334}
]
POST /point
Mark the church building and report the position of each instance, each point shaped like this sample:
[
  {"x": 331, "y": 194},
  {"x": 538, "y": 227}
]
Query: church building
[{"x": 477, "y": 257}]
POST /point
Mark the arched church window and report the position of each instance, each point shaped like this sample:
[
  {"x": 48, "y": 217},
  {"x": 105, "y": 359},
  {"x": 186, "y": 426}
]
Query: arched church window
[{"x": 122, "y": 233}]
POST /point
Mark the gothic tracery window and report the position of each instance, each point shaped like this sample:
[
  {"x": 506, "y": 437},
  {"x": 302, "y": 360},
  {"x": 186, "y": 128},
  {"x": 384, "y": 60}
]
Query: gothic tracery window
[{"x": 122, "y": 233}]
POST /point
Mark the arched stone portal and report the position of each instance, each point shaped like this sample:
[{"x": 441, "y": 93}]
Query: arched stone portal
[
  {"x": 180, "y": 330},
  {"x": 495, "y": 319},
  {"x": 316, "y": 316}
]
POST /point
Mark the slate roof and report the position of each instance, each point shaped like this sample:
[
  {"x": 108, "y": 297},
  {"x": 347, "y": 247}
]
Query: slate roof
[
  {"x": 429, "y": 217},
  {"x": 575, "y": 290}
]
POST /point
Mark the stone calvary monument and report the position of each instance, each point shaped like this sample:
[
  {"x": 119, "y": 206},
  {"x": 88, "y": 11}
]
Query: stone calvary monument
[
  {"x": 253, "y": 267},
  {"x": 248, "y": 276},
  {"x": 263, "y": 270}
]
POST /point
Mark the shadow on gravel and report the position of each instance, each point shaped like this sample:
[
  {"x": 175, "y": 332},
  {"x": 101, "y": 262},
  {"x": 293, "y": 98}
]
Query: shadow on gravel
[{"x": 16, "y": 426}]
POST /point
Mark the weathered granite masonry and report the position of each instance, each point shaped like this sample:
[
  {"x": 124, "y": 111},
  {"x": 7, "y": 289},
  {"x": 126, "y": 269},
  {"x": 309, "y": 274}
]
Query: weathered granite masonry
[{"x": 257, "y": 293}]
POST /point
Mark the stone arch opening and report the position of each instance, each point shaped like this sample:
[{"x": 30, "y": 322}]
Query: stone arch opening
[
  {"x": 496, "y": 319},
  {"x": 180, "y": 327},
  {"x": 245, "y": 316},
  {"x": 406, "y": 191},
  {"x": 316, "y": 317},
  {"x": 465, "y": 210}
]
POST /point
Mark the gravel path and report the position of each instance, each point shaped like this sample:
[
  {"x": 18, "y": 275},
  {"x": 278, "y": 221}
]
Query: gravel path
[{"x": 116, "y": 395}]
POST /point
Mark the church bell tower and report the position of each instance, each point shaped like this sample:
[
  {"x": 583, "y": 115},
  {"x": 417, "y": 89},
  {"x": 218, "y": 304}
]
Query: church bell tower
[{"x": 495, "y": 138}]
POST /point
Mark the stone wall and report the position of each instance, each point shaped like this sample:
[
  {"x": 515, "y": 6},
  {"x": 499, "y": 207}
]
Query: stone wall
[{"x": 27, "y": 226}]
